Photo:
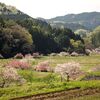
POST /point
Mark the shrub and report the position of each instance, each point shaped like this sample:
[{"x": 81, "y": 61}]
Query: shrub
[
  {"x": 28, "y": 56},
  {"x": 53, "y": 54},
  {"x": 69, "y": 71},
  {"x": 27, "y": 75},
  {"x": 74, "y": 54},
  {"x": 88, "y": 52},
  {"x": 9, "y": 75},
  {"x": 28, "y": 60},
  {"x": 36, "y": 55},
  {"x": 63, "y": 54},
  {"x": 19, "y": 56},
  {"x": 43, "y": 67},
  {"x": 19, "y": 64}
]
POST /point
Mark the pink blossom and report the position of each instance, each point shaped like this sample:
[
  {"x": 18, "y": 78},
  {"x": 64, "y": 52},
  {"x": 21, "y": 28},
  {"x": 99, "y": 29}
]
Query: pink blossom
[
  {"x": 19, "y": 56},
  {"x": 71, "y": 69},
  {"x": 43, "y": 66},
  {"x": 19, "y": 64}
]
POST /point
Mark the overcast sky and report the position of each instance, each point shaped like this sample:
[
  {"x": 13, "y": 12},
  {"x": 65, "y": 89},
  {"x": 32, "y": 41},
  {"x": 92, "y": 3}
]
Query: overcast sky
[{"x": 52, "y": 8}]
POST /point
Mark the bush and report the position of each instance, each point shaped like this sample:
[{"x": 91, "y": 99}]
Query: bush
[
  {"x": 74, "y": 54},
  {"x": 36, "y": 55},
  {"x": 29, "y": 60},
  {"x": 8, "y": 76},
  {"x": 19, "y": 56},
  {"x": 19, "y": 64},
  {"x": 43, "y": 67},
  {"x": 53, "y": 54},
  {"x": 28, "y": 75},
  {"x": 28, "y": 56},
  {"x": 63, "y": 54}
]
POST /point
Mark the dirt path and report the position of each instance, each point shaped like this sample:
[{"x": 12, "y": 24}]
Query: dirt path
[{"x": 61, "y": 95}]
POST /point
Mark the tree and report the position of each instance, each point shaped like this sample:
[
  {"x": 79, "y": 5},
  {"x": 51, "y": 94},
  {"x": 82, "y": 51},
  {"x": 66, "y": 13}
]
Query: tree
[
  {"x": 77, "y": 46},
  {"x": 28, "y": 35},
  {"x": 7, "y": 76},
  {"x": 63, "y": 38},
  {"x": 41, "y": 35},
  {"x": 82, "y": 32},
  {"x": 68, "y": 71},
  {"x": 15, "y": 39},
  {"x": 96, "y": 37}
]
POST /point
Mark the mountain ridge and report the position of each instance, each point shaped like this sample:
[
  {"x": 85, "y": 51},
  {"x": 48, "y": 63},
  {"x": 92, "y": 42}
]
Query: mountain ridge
[{"x": 89, "y": 20}]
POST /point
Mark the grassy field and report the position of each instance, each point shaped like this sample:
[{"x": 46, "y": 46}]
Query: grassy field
[
  {"x": 86, "y": 61},
  {"x": 44, "y": 82}
]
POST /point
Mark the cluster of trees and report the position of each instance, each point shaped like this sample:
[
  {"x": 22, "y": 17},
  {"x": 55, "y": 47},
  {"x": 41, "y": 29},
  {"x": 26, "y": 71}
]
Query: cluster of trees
[
  {"x": 47, "y": 39},
  {"x": 31, "y": 35},
  {"x": 14, "y": 39},
  {"x": 19, "y": 33},
  {"x": 91, "y": 38},
  {"x": 96, "y": 37}
]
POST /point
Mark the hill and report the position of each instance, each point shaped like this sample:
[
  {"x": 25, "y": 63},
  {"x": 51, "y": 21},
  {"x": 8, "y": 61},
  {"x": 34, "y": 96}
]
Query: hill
[{"x": 83, "y": 20}]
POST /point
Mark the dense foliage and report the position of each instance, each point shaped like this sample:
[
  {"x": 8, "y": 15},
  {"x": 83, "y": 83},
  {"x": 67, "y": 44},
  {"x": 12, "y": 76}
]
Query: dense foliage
[
  {"x": 19, "y": 33},
  {"x": 96, "y": 37},
  {"x": 14, "y": 39},
  {"x": 63, "y": 38}
]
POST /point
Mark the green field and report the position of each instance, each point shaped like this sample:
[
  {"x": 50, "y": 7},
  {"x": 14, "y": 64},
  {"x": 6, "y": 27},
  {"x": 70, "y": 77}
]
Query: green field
[{"x": 45, "y": 82}]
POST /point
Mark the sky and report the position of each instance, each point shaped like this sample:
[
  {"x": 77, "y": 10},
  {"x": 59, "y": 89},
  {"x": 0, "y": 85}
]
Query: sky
[{"x": 52, "y": 8}]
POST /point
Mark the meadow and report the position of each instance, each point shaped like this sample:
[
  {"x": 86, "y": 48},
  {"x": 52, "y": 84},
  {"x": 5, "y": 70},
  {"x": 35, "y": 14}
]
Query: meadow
[{"x": 46, "y": 82}]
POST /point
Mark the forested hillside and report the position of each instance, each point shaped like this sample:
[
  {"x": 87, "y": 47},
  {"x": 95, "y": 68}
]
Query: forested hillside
[
  {"x": 76, "y": 21},
  {"x": 19, "y": 33}
]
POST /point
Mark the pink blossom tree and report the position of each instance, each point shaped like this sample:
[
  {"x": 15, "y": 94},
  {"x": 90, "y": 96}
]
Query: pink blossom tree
[
  {"x": 43, "y": 67},
  {"x": 19, "y": 64},
  {"x": 8, "y": 75},
  {"x": 68, "y": 71}
]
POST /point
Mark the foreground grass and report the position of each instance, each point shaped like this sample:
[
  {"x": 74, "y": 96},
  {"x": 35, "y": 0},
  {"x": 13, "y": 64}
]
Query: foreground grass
[{"x": 30, "y": 89}]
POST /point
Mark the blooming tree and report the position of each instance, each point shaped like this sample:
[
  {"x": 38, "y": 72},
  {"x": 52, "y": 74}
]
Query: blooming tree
[
  {"x": 19, "y": 56},
  {"x": 8, "y": 75},
  {"x": 36, "y": 55},
  {"x": 28, "y": 56},
  {"x": 19, "y": 64},
  {"x": 43, "y": 67},
  {"x": 69, "y": 71}
]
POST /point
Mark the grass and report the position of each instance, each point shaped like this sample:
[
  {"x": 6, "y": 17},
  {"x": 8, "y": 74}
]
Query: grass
[
  {"x": 30, "y": 89},
  {"x": 45, "y": 82},
  {"x": 86, "y": 62},
  {"x": 32, "y": 76}
]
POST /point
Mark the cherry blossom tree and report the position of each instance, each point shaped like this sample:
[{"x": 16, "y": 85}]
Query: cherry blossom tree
[
  {"x": 9, "y": 75},
  {"x": 68, "y": 71}
]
